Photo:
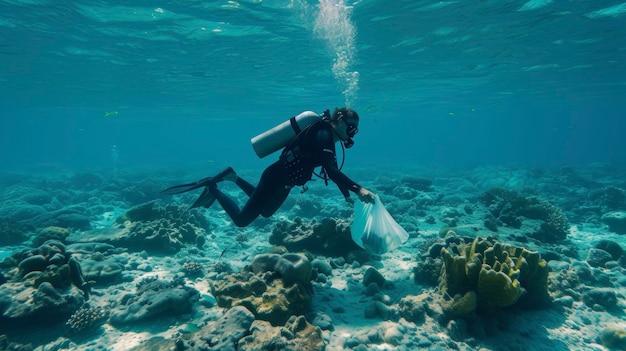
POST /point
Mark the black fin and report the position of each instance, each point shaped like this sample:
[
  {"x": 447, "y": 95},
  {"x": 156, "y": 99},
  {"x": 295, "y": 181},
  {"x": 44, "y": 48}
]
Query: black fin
[
  {"x": 179, "y": 189},
  {"x": 206, "y": 199}
]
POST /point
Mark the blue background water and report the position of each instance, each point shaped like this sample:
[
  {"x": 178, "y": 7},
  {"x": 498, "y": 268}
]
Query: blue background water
[{"x": 441, "y": 84}]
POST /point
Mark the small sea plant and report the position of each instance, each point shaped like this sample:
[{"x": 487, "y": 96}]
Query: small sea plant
[
  {"x": 193, "y": 268},
  {"x": 222, "y": 267},
  {"x": 87, "y": 317},
  {"x": 241, "y": 238}
]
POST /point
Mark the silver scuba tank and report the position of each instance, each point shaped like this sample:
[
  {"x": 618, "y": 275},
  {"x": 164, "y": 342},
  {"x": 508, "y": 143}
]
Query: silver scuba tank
[{"x": 278, "y": 137}]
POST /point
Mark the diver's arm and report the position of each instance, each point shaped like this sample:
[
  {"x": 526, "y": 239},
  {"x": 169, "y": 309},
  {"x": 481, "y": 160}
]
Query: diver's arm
[
  {"x": 329, "y": 162},
  {"x": 346, "y": 184}
]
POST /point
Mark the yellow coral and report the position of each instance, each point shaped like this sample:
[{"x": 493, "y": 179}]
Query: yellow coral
[
  {"x": 496, "y": 272},
  {"x": 497, "y": 287},
  {"x": 460, "y": 305},
  {"x": 455, "y": 280}
]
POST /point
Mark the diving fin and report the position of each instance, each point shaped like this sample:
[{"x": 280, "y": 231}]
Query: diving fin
[
  {"x": 183, "y": 188},
  {"x": 206, "y": 199}
]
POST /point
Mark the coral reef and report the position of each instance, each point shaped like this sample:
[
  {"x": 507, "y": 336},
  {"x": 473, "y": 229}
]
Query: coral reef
[
  {"x": 294, "y": 268},
  {"x": 613, "y": 248},
  {"x": 224, "y": 334},
  {"x": 105, "y": 271},
  {"x": 414, "y": 308},
  {"x": 12, "y": 232},
  {"x": 613, "y": 337},
  {"x": 51, "y": 233},
  {"x": 65, "y": 218},
  {"x": 19, "y": 302},
  {"x": 6, "y": 344},
  {"x": 100, "y": 263},
  {"x": 329, "y": 236},
  {"x": 153, "y": 298},
  {"x": 272, "y": 287},
  {"x": 384, "y": 336},
  {"x": 509, "y": 207},
  {"x": 296, "y": 334},
  {"x": 20, "y": 212},
  {"x": 600, "y": 299},
  {"x": 418, "y": 183},
  {"x": 153, "y": 210},
  {"x": 616, "y": 221},
  {"x": 85, "y": 180},
  {"x": 496, "y": 273},
  {"x": 609, "y": 198},
  {"x": 44, "y": 281},
  {"x": 158, "y": 228}
]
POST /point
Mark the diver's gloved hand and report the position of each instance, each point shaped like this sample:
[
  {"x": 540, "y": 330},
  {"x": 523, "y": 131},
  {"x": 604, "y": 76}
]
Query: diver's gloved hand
[
  {"x": 349, "y": 200},
  {"x": 366, "y": 196}
]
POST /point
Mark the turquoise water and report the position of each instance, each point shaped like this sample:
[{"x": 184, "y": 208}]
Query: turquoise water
[
  {"x": 497, "y": 118},
  {"x": 436, "y": 83}
]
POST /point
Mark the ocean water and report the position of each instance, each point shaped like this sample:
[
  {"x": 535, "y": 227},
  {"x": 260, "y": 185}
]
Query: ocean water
[
  {"x": 104, "y": 103},
  {"x": 436, "y": 83}
]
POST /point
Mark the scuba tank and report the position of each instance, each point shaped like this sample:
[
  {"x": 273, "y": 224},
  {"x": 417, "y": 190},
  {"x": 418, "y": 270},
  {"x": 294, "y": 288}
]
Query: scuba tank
[{"x": 278, "y": 137}]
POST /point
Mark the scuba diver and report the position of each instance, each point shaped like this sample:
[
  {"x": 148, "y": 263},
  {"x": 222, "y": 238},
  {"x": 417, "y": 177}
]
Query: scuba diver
[{"x": 308, "y": 141}]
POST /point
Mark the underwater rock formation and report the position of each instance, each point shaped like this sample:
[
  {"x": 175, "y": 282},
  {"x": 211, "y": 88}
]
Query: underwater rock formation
[
  {"x": 510, "y": 207},
  {"x": 51, "y": 233},
  {"x": 495, "y": 273},
  {"x": 225, "y": 334},
  {"x": 330, "y": 236},
  {"x": 66, "y": 218},
  {"x": 613, "y": 337},
  {"x": 99, "y": 262},
  {"x": 155, "y": 297},
  {"x": 102, "y": 272},
  {"x": 238, "y": 330},
  {"x": 151, "y": 227},
  {"x": 12, "y": 232},
  {"x": 613, "y": 248},
  {"x": 296, "y": 334},
  {"x": 616, "y": 221},
  {"x": 269, "y": 287},
  {"x": 153, "y": 210},
  {"x": 42, "y": 282}
]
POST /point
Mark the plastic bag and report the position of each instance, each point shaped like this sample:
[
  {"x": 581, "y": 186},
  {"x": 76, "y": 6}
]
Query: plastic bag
[{"x": 374, "y": 229}]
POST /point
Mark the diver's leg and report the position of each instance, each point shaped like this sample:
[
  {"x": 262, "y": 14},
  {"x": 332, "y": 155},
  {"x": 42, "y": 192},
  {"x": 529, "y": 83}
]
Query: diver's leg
[
  {"x": 245, "y": 186},
  {"x": 269, "y": 184},
  {"x": 232, "y": 209},
  {"x": 274, "y": 203},
  {"x": 232, "y": 176}
]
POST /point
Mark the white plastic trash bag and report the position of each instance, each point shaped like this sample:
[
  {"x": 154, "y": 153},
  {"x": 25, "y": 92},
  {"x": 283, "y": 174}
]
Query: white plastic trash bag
[{"x": 374, "y": 229}]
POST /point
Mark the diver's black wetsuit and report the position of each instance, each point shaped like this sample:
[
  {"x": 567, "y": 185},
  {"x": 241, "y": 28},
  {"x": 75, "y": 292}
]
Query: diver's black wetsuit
[{"x": 312, "y": 148}]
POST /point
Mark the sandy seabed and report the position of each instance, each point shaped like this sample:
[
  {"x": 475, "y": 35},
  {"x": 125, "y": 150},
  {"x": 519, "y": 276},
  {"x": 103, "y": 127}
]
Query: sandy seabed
[{"x": 427, "y": 203}]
